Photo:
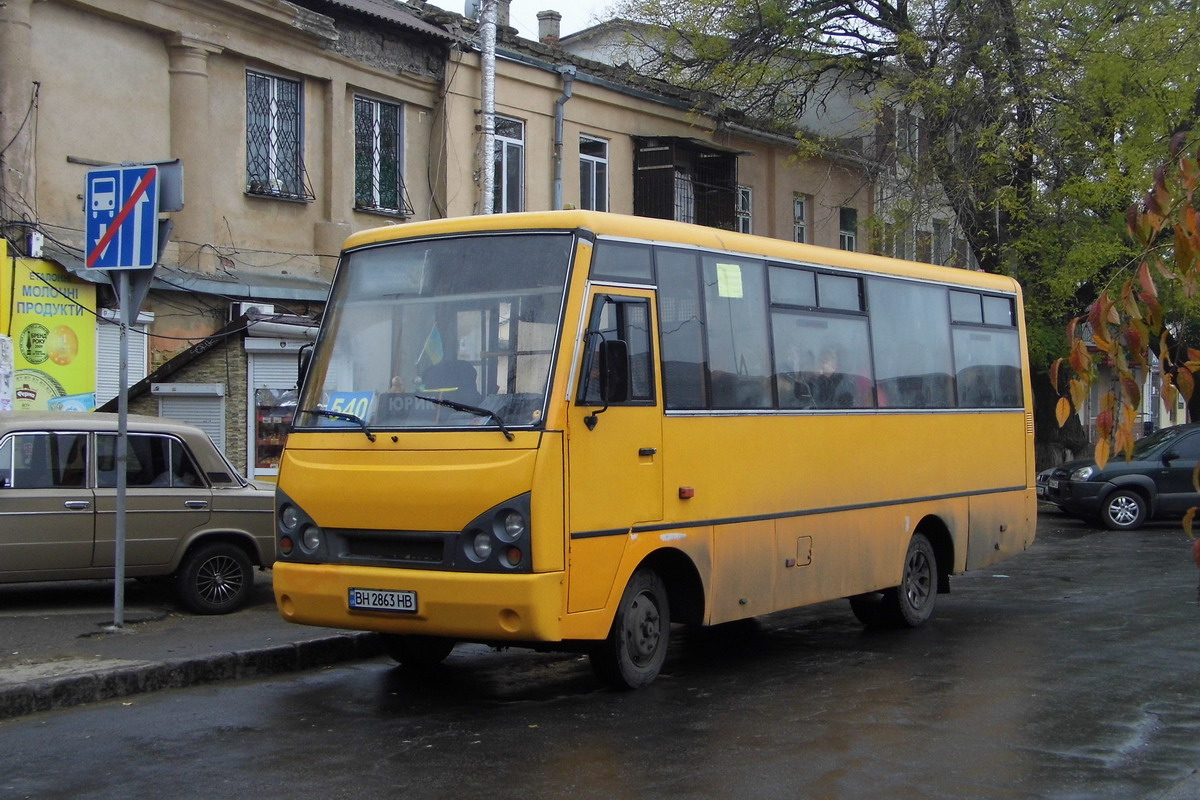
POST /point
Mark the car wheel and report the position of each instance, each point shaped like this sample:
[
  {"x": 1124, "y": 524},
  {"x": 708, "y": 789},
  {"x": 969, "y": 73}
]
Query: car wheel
[
  {"x": 1124, "y": 510},
  {"x": 633, "y": 654},
  {"x": 417, "y": 652},
  {"x": 215, "y": 578},
  {"x": 911, "y": 603}
]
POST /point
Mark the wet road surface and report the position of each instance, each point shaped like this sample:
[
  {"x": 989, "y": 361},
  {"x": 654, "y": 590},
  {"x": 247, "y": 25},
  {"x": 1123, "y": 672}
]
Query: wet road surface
[{"x": 1069, "y": 671}]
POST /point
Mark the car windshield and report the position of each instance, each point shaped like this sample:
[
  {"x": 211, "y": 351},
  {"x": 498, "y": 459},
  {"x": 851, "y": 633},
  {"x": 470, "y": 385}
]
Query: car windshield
[
  {"x": 440, "y": 333},
  {"x": 1145, "y": 446}
]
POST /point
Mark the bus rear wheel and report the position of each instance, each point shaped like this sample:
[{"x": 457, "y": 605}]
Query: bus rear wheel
[
  {"x": 911, "y": 603},
  {"x": 633, "y": 654},
  {"x": 417, "y": 652}
]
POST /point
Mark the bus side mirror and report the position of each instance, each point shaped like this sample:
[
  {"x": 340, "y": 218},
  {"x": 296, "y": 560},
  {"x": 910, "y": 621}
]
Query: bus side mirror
[
  {"x": 303, "y": 362},
  {"x": 613, "y": 363},
  {"x": 614, "y": 371}
]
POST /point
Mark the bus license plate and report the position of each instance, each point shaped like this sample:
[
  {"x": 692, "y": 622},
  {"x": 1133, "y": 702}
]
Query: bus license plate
[{"x": 383, "y": 600}]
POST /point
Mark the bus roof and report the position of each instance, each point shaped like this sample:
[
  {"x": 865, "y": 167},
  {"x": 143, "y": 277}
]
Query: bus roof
[{"x": 661, "y": 231}]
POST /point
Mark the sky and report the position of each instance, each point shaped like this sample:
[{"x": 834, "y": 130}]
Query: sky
[{"x": 576, "y": 14}]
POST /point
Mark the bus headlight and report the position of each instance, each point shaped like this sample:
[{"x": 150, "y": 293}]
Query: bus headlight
[
  {"x": 481, "y": 546},
  {"x": 310, "y": 539},
  {"x": 289, "y": 517},
  {"x": 512, "y": 526}
]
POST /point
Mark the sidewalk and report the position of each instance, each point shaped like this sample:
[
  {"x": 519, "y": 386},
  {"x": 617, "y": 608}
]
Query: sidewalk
[{"x": 58, "y": 649}]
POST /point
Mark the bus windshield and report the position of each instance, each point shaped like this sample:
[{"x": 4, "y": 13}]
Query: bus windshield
[{"x": 440, "y": 333}]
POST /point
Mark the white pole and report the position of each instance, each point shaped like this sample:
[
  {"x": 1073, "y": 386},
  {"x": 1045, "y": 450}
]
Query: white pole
[{"x": 488, "y": 95}]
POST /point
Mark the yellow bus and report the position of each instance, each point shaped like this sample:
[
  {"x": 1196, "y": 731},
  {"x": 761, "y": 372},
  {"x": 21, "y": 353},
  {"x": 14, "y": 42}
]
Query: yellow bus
[{"x": 572, "y": 429}]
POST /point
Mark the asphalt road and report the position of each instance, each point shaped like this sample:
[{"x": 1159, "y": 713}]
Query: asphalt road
[{"x": 1067, "y": 672}]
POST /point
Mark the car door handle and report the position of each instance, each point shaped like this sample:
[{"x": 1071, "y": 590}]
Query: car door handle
[
  {"x": 77, "y": 505},
  {"x": 196, "y": 503},
  {"x": 647, "y": 451}
]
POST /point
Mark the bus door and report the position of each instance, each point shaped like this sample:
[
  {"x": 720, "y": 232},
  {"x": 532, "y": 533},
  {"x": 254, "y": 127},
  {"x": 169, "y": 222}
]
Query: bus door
[{"x": 615, "y": 447}]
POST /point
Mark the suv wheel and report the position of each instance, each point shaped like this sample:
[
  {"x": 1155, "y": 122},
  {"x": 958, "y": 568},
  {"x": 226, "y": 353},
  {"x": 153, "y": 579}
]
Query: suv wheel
[{"x": 1124, "y": 510}]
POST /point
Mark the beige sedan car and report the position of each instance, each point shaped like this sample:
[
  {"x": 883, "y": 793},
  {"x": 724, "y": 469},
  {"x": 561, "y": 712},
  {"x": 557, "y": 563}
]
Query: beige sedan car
[{"x": 189, "y": 514}]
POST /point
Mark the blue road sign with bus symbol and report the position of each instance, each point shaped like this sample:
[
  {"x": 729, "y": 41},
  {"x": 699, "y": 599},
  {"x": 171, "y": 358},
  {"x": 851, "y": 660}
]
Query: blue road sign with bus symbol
[{"x": 121, "y": 227}]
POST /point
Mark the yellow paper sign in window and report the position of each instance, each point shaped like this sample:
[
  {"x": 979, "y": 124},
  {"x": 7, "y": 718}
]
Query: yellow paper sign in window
[{"x": 729, "y": 280}]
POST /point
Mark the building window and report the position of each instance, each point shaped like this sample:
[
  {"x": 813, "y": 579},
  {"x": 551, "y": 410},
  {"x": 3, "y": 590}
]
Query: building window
[
  {"x": 848, "y": 229},
  {"x": 509, "y": 194},
  {"x": 274, "y": 162},
  {"x": 800, "y": 219},
  {"x": 941, "y": 242},
  {"x": 745, "y": 209},
  {"x": 593, "y": 174},
  {"x": 379, "y": 157}
]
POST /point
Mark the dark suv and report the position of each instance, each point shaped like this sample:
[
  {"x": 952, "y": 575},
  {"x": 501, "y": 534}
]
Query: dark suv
[{"x": 1156, "y": 483}]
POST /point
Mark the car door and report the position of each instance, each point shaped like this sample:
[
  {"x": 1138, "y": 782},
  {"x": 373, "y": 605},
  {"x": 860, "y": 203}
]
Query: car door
[
  {"x": 47, "y": 523},
  {"x": 166, "y": 499},
  {"x": 1175, "y": 479}
]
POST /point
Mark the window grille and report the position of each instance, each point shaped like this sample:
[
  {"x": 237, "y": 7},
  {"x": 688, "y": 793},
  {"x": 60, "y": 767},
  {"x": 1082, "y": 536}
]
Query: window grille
[
  {"x": 681, "y": 180},
  {"x": 274, "y": 164},
  {"x": 379, "y": 157}
]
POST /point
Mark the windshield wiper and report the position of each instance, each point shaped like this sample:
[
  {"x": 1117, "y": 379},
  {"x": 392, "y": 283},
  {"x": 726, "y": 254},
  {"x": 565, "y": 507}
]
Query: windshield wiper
[
  {"x": 476, "y": 410},
  {"x": 320, "y": 412}
]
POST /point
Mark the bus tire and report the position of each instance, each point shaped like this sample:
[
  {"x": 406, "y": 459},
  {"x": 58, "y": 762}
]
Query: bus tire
[
  {"x": 911, "y": 603},
  {"x": 215, "y": 578},
  {"x": 417, "y": 652},
  {"x": 633, "y": 654},
  {"x": 868, "y": 609}
]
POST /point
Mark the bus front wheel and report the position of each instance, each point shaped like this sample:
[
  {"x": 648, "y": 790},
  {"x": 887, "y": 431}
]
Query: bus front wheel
[
  {"x": 633, "y": 654},
  {"x": 417, "y": 652}
]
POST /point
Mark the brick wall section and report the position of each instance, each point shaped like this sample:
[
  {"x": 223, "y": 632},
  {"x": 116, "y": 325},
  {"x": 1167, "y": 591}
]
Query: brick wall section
[{"x": 226, "y": 363}]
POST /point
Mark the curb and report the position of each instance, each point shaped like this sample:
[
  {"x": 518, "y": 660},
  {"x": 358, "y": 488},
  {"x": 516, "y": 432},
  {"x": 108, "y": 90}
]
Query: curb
[{"x": 48, "y": 694}]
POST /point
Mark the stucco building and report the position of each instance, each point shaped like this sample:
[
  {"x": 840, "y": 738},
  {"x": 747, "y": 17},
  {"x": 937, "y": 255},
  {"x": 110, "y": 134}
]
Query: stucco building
[{"x": 299, "y": 122}]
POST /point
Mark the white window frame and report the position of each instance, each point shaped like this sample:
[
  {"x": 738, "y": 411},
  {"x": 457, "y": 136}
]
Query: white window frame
[
  {"x": 800, "y": 218},
  {"x": 847, "y": 239},
  {"x": 507, "y": 149},
  {"x": 598, "y": 178},
  {"x": 745, "y": 209}
]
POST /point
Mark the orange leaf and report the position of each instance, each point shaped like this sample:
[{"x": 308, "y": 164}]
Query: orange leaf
[
  {"x": 1188, "y": 519},
  {"x": 1185, "y": 382},
  {"x": 1062, "y": 411},
  {"x": 1102, "y": 451},
  {"x": 1054, "y": 373}
]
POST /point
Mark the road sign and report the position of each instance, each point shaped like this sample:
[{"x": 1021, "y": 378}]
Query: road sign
[{"x": 121, "y": 210}]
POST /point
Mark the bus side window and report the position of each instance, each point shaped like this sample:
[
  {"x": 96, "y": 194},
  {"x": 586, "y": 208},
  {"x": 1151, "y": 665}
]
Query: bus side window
[{"x": 626, "y": 321}]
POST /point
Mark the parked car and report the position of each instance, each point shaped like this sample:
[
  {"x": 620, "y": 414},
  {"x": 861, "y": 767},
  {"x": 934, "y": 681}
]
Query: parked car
[
  {"x": 189, "y": 515},
  {"x": 1156, "y": 483}
]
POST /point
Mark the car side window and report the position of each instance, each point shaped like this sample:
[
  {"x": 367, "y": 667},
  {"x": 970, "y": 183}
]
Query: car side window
[
  {"x": 1188, "y": 447},
  {"x": 46, "y": 461},
  {"x": 151, "y": 461}
]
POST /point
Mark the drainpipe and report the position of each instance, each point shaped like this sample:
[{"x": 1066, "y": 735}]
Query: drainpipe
[{"x": 568, "y": 77}]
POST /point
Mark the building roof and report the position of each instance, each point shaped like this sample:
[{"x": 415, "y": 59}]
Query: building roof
[{"x": 391, "y": 11}]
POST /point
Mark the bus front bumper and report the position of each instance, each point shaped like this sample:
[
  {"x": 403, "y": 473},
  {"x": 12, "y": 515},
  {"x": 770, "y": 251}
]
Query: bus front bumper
[{"x": 458, "y": 605}]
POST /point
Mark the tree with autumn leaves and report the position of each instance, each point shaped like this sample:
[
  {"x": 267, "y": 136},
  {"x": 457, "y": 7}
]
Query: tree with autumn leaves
[{"x": 1112, "y": 344}]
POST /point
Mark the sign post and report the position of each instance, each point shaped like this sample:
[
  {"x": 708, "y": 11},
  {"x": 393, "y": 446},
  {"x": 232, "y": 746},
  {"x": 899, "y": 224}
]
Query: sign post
[{"x": 121, "y": 205}]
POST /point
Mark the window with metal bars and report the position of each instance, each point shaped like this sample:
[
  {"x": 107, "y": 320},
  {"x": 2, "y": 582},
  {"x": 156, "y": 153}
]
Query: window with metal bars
[
  {"x": 274, "y": 161},
  {"x": 682, "y": 180},
  {"x": 379, "y": 157}
]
